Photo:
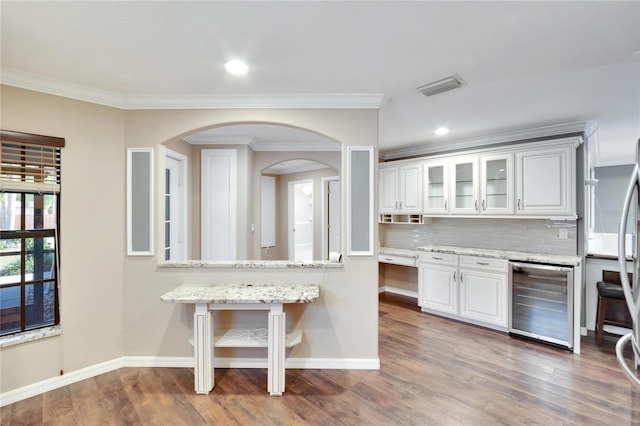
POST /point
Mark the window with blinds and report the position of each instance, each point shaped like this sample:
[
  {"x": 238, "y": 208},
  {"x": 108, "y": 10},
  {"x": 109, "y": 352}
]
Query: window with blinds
[{"x": 29, "y": 231}]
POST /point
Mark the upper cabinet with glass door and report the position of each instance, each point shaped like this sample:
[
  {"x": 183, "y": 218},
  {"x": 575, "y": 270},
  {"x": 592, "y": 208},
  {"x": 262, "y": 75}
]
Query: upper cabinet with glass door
[
  {"x": 436, "y": 187},
  {"x": 464, "y": 185},
  {"x": 496, "y": 180}
]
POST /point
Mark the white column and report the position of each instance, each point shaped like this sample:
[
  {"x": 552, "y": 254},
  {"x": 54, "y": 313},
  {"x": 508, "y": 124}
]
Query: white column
[
  {"x": 275, "y": 374},
  {"x": 203, "y": 348}
]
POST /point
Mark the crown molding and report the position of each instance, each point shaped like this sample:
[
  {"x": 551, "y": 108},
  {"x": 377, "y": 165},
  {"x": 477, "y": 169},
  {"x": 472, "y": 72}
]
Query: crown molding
[
  {"x": 578, "y": 127},
  {"x": 65, "y": 89}
]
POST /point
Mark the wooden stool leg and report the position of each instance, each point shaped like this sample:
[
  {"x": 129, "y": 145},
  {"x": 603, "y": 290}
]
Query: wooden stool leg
[{"x": 601, "y": 313}]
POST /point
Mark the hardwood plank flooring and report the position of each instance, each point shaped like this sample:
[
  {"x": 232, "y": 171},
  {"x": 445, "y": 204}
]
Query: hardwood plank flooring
[{"x": 434, "y": 371}]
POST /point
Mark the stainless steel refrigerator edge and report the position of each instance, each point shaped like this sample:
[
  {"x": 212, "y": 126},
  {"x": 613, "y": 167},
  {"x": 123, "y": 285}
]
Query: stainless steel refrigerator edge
[{"x": 631, "y": 292}]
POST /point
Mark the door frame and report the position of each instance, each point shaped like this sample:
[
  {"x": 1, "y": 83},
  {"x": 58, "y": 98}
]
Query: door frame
[
  {"x": 183, "y": 219},
  {"x": 325, "y": 215}
]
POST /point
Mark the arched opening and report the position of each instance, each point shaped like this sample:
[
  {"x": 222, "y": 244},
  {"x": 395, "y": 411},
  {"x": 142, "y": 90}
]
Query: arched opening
[{"x": 224, "y": 194}]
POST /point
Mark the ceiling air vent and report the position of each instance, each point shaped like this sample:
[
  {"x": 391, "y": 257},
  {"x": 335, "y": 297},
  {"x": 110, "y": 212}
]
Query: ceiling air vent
[{"x": 441, "y": 85}]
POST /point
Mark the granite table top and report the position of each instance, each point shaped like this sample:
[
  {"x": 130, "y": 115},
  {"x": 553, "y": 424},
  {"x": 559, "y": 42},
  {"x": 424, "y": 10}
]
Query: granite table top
[{"x": 243, "y": 293}]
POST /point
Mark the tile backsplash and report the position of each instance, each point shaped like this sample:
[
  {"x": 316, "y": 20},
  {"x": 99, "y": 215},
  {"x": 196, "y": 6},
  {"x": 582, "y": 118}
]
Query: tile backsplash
[{"x": 528, "y": 235}]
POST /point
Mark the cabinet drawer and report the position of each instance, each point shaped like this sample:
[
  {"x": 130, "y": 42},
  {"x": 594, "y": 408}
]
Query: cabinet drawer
[
  {"x": 397, "y": 260},
  {"x": 484, "y": 263},
  {"x": 440, "y": 258}
]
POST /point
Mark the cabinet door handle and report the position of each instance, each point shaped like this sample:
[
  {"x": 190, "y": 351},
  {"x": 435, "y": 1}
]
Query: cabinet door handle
[
  {"x": 436, "y": 258},
  {"x": 461, "y": 281},
  {"x": 445, "y": 205},
  {"x": 400, "y": 205},
  {"x": 519, "y": 204},
  {"x": 484, "y": 205},
  {"x": 454, "y": 277},
  {"x": 475, "y": 205},
  {"x": 483, "y": 263}
]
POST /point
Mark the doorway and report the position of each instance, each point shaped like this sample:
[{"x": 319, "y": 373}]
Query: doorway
[{"x": 301, "y": 220}]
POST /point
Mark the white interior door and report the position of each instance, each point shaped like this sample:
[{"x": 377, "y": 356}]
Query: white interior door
[
  {"x": 301, "y": 220},
  {"x": 218, "y": 209}
]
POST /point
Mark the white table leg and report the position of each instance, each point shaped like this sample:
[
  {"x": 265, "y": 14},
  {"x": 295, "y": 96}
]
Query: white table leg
[
  {"x": 275, "y": 374},
  {"x": 203, "y": 348}
]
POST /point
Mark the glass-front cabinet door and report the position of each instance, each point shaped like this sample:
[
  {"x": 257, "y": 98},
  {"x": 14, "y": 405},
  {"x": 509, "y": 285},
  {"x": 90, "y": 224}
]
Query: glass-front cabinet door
[
  {"x": 464, "y": 190},
  {"x": 497, "y": 184},
  {"x": 436, "y": 187}
]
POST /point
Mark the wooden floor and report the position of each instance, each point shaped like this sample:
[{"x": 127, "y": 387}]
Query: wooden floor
[{"x": 433, "y": 371}]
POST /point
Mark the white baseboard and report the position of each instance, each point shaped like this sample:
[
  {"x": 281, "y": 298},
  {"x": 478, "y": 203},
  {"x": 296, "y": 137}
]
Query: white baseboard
[
  {"x": 43, "y": 386},
  {"x": 34, "y": 389},
  {"x": 400, "y": 291}
]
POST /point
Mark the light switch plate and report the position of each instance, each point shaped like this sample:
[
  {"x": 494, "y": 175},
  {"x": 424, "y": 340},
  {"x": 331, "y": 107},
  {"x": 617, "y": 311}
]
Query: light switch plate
[{"x": 563, "y": 233}]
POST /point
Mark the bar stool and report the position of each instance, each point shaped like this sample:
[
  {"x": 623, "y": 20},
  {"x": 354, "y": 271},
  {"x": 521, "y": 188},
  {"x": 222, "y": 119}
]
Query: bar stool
[{"x": 610, "y": 298}]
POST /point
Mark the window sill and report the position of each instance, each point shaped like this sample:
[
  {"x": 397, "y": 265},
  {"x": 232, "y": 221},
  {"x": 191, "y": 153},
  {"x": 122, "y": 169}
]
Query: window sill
[{"x": 30, "y": 336}]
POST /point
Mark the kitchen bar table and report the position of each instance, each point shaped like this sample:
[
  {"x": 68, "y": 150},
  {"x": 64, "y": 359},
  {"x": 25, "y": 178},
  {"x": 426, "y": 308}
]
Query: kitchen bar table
[{"x": 217, "y": 297}]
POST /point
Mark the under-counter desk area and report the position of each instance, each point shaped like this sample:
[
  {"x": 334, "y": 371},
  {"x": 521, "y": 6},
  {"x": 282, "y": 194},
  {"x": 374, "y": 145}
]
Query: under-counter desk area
[{"x": 473, "y": 285}]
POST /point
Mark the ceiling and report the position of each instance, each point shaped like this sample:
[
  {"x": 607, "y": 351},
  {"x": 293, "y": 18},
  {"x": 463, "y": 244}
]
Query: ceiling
[{"x": 527, "y": 64}]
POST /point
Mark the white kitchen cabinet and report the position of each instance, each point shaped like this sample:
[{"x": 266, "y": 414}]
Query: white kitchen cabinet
[
  {"x": 497, "y": 184},
  {"x": 545, "y": 181},
  {"x": 401, "y": 188},
  {"x": 483, "y": 290},
  {"x": 437, "y": 287},
  {"x": 464, "y": 185},
  {"x": 436, "y": 187},
  {"x": 468, "y": 288}
]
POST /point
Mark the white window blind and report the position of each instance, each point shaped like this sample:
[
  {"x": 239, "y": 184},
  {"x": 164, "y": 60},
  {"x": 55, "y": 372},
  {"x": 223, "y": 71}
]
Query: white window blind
[{"x": 31, "y": 164}]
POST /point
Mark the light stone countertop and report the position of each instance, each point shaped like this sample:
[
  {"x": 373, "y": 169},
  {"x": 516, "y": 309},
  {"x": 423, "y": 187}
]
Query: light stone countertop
[
  {"x": 498, "y": 254},
  {"x": 243, "y": 293},
  {"x": 250, "y": 264},
  {"x": 413, "y": 254}
]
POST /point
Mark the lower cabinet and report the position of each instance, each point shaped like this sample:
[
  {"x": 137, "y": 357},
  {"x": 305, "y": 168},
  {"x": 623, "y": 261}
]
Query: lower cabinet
[{"x": 469, "y": 288}]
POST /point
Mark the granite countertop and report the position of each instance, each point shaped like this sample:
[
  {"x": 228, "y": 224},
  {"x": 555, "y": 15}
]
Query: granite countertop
[
  {"x": 266, "y": 264},
  {"x": 242, "y": 293},
  {"x": 399, "y": 252},
  {"x": 507, "y": 254}
]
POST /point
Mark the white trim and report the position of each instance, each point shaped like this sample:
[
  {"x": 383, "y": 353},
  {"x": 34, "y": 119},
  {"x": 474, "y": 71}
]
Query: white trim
[
  {"x": 47, "y": 385},
  {"x": 399, "y": 291},
  {"x": 65, "y": 89},
  {"x": 183, "y": 166},
  {"x": 325, "y": 217},
  {"x": 130, "y": 250},
  {"x": 501, "y": 138},
  {"x": 154, "y": 361},
  {"x": 372, "y": 194}
]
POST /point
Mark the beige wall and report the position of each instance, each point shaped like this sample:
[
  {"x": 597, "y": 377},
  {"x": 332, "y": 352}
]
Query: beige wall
[
  {"x": 110, "y": 303},
  {"x": 343, "y": 324},
  {"x": 92, "y": 234}
]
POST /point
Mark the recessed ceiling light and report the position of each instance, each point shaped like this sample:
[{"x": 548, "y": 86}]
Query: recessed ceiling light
[
  {"x": 236, "y": 67},
  {"x": 441, "y": 131}
]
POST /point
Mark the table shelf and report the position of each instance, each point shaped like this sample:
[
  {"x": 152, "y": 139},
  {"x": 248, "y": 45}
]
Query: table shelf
[{"x": 250, "y": 338}]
